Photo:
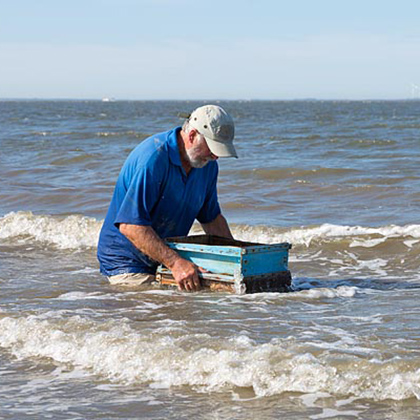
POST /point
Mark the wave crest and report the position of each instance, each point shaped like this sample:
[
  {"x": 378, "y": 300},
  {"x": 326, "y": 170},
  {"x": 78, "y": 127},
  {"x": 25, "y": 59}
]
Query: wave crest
[
  {"x": 119, "y": 354},
  {"x": 70, "y": 232},
  {"x": 327, "y": 233},
  {"x": 78, "y": 231}
]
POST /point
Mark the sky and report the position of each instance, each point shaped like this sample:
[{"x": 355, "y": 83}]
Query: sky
[{"x": 214, "y": 49}]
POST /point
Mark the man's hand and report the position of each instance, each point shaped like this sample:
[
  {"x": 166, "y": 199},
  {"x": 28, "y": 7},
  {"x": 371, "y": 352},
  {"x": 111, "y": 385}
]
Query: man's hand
[
  {"x": 186, "y": 275},
  {"x": 147, "y": 241}
]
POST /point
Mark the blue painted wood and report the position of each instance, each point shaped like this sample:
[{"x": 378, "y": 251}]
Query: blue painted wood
[
  {"x": 210, "y": 258},
  {"x": 208, "y": 249},
  {"x": 267, "y": 262},
  {"x": 246, "y": 260}
]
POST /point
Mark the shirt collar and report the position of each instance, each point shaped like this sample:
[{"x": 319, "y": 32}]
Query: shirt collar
[{"x": 173, "y": 148}]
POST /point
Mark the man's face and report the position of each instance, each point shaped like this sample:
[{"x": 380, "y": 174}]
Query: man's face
[{"x": 199, "y": 153}]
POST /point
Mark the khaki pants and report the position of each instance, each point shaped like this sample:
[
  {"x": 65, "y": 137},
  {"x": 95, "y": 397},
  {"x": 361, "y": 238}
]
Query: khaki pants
[{"x": 131, "y": 279}]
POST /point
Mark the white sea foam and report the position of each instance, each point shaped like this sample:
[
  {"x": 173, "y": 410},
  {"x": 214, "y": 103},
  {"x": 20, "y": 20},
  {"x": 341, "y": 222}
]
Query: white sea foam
[
  {"x": 78, "y": 231},
  {"x": 327, "y": 233},
  {"x": 114, "y": 351},
  {"x": 375, "y": 266},
  {"x": 310, "y": 292},
  {"x": 409, "y": 244},
  {"x": 80, "y": 296},
  {"x": 69, "y": 232},
  {"x": 321, "y": 293}
]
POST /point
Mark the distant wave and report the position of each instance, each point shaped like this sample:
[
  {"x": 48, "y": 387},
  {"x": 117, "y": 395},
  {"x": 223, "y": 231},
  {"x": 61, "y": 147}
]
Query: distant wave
[
  {"x": 284, "y": 173},
  {"x": 78, "y": 231}
]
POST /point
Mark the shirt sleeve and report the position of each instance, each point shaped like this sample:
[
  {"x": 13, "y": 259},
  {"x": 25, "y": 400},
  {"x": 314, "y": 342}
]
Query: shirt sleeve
[
  {"x": 211, "y": 208},
  {"x": 142, "y": 194}
]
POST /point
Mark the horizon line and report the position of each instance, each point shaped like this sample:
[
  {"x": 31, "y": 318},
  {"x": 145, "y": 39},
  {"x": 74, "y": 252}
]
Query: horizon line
[{"x": 113, "y": 99}]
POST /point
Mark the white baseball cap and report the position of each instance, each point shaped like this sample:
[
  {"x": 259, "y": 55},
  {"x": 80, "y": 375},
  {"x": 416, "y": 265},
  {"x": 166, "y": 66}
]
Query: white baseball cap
[{"x": 217, "y": 127}]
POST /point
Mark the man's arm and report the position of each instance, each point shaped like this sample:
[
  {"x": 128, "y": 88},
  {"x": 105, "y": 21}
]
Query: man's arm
[
  {"x": 147, "y": 241},
  {"x": 219, "y": 226}
]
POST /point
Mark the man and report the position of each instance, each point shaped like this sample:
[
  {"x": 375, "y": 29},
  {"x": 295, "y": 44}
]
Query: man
[{"x": 167, "y": 182}]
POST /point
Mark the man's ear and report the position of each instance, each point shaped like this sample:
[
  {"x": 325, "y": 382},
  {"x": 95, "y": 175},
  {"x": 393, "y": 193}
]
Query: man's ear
[{"x": 192, "y": 135}]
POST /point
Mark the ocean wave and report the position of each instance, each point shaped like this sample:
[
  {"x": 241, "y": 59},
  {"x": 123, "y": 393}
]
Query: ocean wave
[
  {"x": 327, "y": 233},
  {"x": 78, "y": 231},
  {"x": 274, "y": 174},
  {"x": 70, "y": 232},
  {"x": 119, "y": 354}
]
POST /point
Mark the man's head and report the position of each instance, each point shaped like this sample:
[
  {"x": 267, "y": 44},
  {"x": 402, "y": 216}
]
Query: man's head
[{"x": 216, "y": 126}]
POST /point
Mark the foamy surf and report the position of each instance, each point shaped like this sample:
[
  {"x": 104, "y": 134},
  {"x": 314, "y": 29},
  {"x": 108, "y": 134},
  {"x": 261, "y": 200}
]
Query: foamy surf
[
  {"x": 78, "y": 231},
  {"x": 71, "y": 232},
  {"x": 327, "y": 233},
  {"x": 115, "y": 352}
]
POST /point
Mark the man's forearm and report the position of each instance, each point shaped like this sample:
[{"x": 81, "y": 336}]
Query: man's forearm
[
  {"x": 219, "y": 227},
  {"x": 147, "y": 241}
]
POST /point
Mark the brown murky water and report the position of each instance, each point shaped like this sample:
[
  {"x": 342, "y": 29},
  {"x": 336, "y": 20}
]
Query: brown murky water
[{"x": 339, "y": 180}]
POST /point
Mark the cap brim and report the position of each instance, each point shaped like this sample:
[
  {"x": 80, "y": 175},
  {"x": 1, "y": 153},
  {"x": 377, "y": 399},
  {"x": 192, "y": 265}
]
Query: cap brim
[{"x": 221, "y": 149}]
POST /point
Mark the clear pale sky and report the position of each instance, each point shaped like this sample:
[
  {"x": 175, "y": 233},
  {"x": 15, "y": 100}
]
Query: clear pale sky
[{"x": 215, "y": 49}]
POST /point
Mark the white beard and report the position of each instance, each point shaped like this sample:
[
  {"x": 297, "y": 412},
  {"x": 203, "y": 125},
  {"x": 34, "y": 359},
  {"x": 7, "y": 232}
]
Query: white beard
[{"x": 194, "y": 158}]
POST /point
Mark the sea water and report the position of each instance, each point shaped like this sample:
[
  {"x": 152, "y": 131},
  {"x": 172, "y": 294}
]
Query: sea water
[{"x": 338, "y": 180}]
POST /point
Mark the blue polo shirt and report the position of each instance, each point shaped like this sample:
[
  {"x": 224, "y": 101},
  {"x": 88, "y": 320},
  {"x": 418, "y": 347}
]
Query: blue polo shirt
[{"x": 153, "y": 190}]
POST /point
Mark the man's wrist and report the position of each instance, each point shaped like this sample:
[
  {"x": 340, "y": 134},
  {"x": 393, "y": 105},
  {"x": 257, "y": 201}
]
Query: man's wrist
[{"x": 171, "y": 259}]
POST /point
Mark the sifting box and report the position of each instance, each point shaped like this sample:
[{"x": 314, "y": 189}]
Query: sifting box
[{"x": 233, "y": 266}]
